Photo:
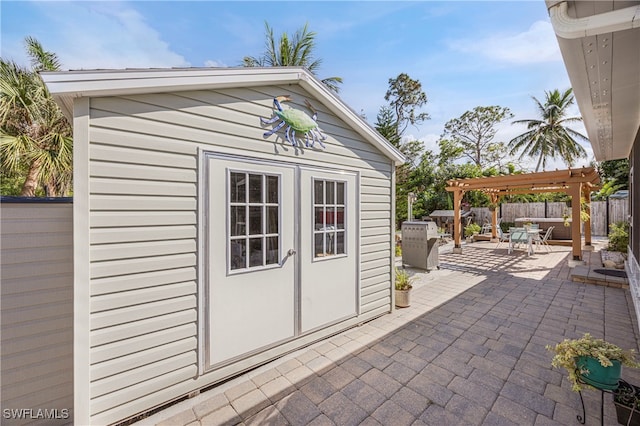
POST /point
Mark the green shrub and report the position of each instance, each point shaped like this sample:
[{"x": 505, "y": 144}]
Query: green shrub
[
  {"x": 619, "y": 236},
  {"x": 506, "y": 225},
  {"x": 398, "y": 250},
  {"x": 472, "y": 228}
]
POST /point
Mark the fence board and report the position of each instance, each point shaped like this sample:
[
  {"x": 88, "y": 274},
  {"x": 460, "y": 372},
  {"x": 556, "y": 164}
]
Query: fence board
[{"x": 618, "y": 211}]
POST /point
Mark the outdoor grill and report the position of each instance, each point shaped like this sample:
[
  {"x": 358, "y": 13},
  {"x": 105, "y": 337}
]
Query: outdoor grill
[{"x": 420, "y": 245}]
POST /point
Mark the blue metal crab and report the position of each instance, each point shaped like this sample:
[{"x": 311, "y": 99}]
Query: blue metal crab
[{"x": 296, "y": 121}]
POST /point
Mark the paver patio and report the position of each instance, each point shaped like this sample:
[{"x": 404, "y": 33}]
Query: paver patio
[{"x": 470, "y": 350}]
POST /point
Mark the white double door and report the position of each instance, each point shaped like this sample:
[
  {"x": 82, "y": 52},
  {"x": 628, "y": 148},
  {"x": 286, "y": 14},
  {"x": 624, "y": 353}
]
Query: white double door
[{"x": 281, "y": 254}]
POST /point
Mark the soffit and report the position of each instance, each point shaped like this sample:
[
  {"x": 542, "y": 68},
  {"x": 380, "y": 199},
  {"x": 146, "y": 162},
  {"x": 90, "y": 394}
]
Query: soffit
[{"x": 604, "y": 70}]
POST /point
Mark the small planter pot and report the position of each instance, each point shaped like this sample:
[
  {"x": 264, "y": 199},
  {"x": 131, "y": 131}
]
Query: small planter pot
[
  {"x": 625, "y": 398},
  {"x": 403, "y": 298},
  {"x": 598, "y": 376}
]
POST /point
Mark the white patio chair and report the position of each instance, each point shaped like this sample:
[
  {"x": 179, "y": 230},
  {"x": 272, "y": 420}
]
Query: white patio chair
[
  {"x": 518, "y": 236},
  {"x": 542, "y": 241},
  {"x": 486, "y": 226},
  {"x": 503, "y": 237}
]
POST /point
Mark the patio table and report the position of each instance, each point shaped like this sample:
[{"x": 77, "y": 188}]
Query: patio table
[{"x": 523, "y": 235}]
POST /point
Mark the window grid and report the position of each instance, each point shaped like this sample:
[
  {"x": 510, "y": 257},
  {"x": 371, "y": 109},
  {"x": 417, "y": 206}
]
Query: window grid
[
  {"x": 254, "y": 216},
  {"x": 329, "y": 210}
]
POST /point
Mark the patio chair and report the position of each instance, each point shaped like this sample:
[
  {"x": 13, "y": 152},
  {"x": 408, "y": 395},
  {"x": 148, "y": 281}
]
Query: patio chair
[
  {"x": 503, "y": 237},
  {"x": 486, "y": 226},
  {"x": 518, "y": 236},
  {"x": 542, "y": 241}
]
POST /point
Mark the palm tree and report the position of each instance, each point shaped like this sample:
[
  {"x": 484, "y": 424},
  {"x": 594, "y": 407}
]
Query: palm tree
[
  {"x": 35, "y": 137},
  {"x": 549, "y": 136},
  {"x": 291, "y": 51}
]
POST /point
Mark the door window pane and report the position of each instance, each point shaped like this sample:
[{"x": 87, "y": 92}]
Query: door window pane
[
  {"x": 254, "y": 215},
  {"x": 340, "y": 242},
  {"x": 318, "y": 218},
  {"x": 272, "y": 250},
  {"x": 238, "y": 254},
  {"x": 318, "y": 190},
  {"x": 238, "y": 220},
  {"x": 238, "y": 187},
  {"x": 255, "y": 188},
  {"x": 255, "y": 252},
  {"x": 340, "y": 217},
  {"x": 340, "y": 193},
  {"x": 329, "y": 218},
  {"x": 272, "y": 190},
  {"x": 272, "y": 219},
  {"x": 330, "y": 192},
  {"x": 255, "y": 220}
]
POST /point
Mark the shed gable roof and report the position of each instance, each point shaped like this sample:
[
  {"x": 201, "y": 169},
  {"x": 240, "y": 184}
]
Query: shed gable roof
[{"x": 65, "y": 86}]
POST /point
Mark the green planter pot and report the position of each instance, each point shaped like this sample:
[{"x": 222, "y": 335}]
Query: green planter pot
[{"x": 598, "y": 376}]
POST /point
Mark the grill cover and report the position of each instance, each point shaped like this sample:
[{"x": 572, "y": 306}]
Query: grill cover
[{"x": 420, "y": 245}]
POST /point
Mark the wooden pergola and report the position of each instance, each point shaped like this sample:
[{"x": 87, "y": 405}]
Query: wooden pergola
[{"x": 576, "y": 183}]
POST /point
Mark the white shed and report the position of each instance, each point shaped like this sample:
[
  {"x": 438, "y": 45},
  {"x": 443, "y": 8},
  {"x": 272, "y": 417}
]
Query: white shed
[{"x": 205, "y": 246}]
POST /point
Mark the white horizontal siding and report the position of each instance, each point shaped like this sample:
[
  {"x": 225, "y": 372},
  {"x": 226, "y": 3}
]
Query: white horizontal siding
[
  {"x": 36, "y": 316},
  {"x": 144, "y": 216}
]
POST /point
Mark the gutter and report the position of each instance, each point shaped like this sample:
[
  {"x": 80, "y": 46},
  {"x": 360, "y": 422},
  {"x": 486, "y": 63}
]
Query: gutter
[{"x": 574, "y": 28}]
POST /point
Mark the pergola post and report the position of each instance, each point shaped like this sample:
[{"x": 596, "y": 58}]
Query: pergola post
[
  {"x": 575, "y": 190},
  {"x": 587, "y": 224},
  {"x": 494, "y": 218},
  {"x": 457, "y": 223}
]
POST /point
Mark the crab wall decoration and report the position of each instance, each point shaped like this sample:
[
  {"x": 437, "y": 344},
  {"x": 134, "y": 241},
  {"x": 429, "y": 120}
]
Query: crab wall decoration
[{"x": 296, "y": 121}]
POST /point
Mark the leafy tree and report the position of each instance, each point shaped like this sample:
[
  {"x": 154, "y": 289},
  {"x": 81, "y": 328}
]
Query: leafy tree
[
  {"x": 548, "y": 136},
  {"x": 35, "y": 137},
  {"x": 296, "y": 50},
  {"x": 616, "y": 171},
  {"x": 471, "y": 136},
  {"x": 405, "y": 96}
]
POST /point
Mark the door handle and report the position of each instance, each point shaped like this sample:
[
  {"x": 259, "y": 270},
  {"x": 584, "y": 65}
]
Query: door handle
[{"x": 291, "y": 252}]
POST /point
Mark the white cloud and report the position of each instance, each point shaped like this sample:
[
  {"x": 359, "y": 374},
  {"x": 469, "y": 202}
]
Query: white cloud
[
  {"x": 107, "y": 35},
  {"x": 214, "y": 64},
  {"x": 537, "y": 44}
]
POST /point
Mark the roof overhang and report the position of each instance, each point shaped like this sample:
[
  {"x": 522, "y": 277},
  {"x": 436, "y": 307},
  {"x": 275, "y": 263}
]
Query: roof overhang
[
  {"x": 599, "y": 44},
  {"x": 66, "y": 86}
]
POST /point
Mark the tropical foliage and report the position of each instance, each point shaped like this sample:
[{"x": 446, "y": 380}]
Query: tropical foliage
[
  {"x": 549, "y": 137},
  {"x": 35, "y": 137},
  {"x": 296, "y": 50}
]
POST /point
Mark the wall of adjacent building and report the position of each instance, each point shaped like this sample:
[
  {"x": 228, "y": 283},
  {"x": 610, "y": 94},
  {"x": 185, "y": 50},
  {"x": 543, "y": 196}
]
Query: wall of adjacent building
[{"x": 36, "y": 315}]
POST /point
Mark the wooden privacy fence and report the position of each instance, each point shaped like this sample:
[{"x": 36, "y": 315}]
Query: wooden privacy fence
[{"x": 603, "y": 213}]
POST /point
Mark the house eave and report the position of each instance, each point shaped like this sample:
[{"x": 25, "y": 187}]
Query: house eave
[{"x": 599, "y": 44}]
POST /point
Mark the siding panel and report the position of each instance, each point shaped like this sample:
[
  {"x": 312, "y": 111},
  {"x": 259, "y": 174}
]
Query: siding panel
[{"x": 36, "y": 315}]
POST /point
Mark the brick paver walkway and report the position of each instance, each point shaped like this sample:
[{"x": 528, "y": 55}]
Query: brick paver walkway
[{"x": 470, "y": 350}]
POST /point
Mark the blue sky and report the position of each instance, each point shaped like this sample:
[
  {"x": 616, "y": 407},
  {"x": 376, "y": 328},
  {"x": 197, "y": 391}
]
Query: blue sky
[{"x": 465, "y": 54}]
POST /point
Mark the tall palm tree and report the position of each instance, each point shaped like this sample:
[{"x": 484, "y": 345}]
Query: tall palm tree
[
  {"x": 549, "y": 136},
  {"x": 291, "y": 51},
  {"x": 35, "y": 137}
]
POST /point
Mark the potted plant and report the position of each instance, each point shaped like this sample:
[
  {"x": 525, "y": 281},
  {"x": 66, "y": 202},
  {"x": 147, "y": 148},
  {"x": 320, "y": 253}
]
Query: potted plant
[
  {"x": 403, "y": 288},
  {"x": 493, "y": 206},
  {"x": 592, "y": 362},
  {"x": 627, "y": 402},
  {"x": 470, "y": 230}
]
